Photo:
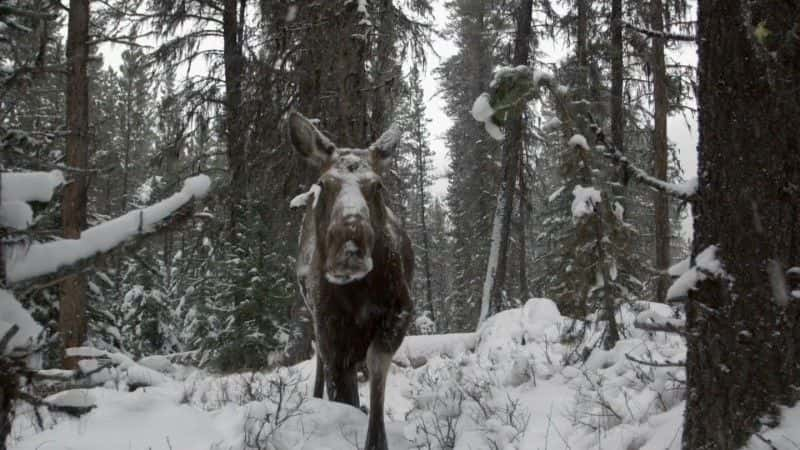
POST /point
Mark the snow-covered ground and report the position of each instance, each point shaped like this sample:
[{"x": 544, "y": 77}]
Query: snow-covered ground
[{"x": 510, "y": 386}]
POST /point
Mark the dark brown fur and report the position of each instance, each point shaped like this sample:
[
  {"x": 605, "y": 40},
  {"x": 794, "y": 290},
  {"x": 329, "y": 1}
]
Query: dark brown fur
[{"x": 366, "y": 318}]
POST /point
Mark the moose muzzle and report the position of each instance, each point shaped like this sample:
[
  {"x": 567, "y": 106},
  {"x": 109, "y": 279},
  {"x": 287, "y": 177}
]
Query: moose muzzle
[{"x": 350, "y": 245}]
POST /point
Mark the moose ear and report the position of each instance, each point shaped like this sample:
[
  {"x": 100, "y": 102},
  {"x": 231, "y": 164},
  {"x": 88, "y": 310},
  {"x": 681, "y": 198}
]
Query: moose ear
[
  {"x": 308, "y": 140},
  {"x": 385, "y": 145}
]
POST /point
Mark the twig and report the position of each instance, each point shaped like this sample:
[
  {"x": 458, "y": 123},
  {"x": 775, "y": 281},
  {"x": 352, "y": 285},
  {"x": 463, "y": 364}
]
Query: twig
[
  {"x": 655, "y": 364},
  {"x": 660, "y": 34},
  {"x": 7, "y": 337},
  {"x": 666, "y": 327}
]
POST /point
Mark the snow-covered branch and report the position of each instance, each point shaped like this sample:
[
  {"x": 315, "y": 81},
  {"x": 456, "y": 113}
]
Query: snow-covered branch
[
  {"x": 652, "y": 321},
  {"x": 706, "y": 265},
  {"x": 660, "y": 34},
  {"x": 514, "y": 85},
  {"x": 30, "y": 264}
]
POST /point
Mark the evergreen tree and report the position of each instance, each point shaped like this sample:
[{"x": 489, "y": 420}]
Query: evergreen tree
[
  {"x": 414, "y": 122},
  {"x": 475, "y": 27}
]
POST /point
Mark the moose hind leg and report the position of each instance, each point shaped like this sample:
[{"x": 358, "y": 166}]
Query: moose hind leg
[{"x": 378, "y": 361}]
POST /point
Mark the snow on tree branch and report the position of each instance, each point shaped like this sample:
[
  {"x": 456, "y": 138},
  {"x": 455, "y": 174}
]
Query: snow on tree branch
[
  {"x": 40, "y": 259},
  {"x": 706, "y": 265},
  {"x": 29, "y": 186},
  {"x": 16, "y": 189},
  {"x": 512, "y": 86},
  {"x": 685, "y": 191},
  {"x": 652, "y": 321},
  {"x": 18, "y": 330},
  {"x": 585, "y": 200}
]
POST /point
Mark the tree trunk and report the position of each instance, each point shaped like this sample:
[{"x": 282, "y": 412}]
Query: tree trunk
[
  {"x": 331, "y": 87},
  {"x": 234, "y": 70},
  {"x": 385, "y": 73},
  {"x": 617, "y": 115},
  {"x": 581, "y": 50},
  {"x": 661, "y": 200},
  {"x": 523, "y": 221},
  {"x": 426, "y": 247},
  {"x": 743, "y": 358},
  {"x": 72, "y": 310},
  {"x": 511, "y": 151}
]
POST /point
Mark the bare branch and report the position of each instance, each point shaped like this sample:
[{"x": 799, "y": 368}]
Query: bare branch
[
  {"x": 667, "y": 327},
  {"x": 660, "y": 34},
  {"x": 8, "y": 336},
  {"x": 611, "y": 152}
]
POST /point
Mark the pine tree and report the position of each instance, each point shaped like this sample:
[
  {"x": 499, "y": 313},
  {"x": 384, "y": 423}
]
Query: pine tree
[
  {"x": 72, "y": 308},
  {"x": 415, "y": 147}
]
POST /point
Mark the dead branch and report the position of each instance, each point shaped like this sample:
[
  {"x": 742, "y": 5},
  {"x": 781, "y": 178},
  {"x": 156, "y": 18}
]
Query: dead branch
[
  {"x": 667, "y": 327},
  {"x": 660, "y": 34}
]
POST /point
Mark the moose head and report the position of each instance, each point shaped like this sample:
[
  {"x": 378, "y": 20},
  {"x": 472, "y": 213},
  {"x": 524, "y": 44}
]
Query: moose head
[{"x": 349, "y": 209}]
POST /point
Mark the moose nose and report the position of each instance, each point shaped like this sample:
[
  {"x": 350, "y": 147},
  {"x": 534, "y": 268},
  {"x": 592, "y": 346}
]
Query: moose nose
[
  {"x": 350, "y": 250},
  {"x": 351, "y": 220}
]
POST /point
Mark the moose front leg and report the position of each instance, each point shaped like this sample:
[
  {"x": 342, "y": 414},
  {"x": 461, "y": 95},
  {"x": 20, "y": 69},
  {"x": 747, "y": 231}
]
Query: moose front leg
[
  {"x": 378, "y": 361},
  {"x": 319, "y": 378}
]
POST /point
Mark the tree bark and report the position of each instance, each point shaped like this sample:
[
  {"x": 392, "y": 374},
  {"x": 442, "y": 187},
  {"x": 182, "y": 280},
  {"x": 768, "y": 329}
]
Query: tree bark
[
  {"x": 743, "y": 358},
  {"x": 331, "y": 79},
  {"x": 523, "y": 221},
  {"x": 661, "y": 200},
  {"x": 234, "y": 70},
  {"x": 72, "y": 305},
  {"x": 511, "y": 151},
  {"x": 617, "y": 70}
]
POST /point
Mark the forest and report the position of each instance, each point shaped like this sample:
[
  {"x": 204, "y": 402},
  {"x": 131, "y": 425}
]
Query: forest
[{"x": 207, "y": 205}]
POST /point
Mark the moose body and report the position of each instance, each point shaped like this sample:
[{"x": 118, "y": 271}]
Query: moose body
[{"x": 354, "y": 269}]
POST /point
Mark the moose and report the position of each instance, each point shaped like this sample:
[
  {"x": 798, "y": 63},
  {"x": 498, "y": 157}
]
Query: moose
[{"x": 354, "y": 268}]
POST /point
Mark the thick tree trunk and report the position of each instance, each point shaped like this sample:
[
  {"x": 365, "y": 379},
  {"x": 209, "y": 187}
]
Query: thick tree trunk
[
  {"x": 385, "y": 73},
  {"x": 72, "y": 310},
  {"x": 743, "y": 358},
  {"x": 581, "y": 50},
  {"x": 351, "y": 120},
  {"x": 511, "y": 151},
  {"x": 234, "y": 71},
  {"x": 661, "y": 200},
  {"x": 331, "y": 87}
]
